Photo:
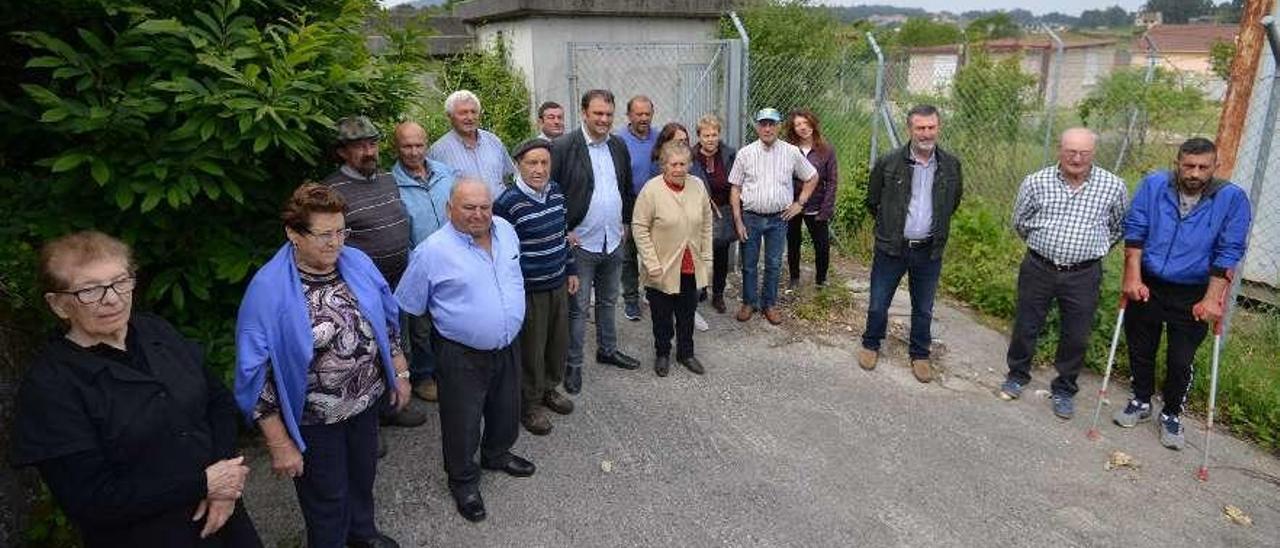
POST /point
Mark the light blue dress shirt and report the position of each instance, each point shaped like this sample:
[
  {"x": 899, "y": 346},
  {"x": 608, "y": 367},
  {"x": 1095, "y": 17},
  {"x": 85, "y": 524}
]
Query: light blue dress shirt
[
  {"x": 476, "y": 298},
  {"x": 425, "y": 199},
  {"x": 920, "y": 210},
  {"x": 488, "y": 160},
  {"x": 601, "y": 228}
]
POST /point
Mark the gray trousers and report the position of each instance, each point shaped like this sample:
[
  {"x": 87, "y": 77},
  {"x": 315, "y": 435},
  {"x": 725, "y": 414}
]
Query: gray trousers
[
  {"x": 544, "y": 342},
  {"x": 1076, "y": 293}
]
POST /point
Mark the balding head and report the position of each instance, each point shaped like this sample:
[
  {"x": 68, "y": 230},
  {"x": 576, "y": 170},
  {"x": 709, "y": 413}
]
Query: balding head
[
  {"x": 411, "y": 147},
  {"x": 471, "y": 207},
  {"x": 1075, "y": 154}
]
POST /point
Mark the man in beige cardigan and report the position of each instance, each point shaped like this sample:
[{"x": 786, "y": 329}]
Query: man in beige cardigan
[{"x": 672, "y": 229}]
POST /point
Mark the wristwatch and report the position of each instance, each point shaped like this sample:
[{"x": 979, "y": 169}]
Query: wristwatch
[{"x": 402, "y": 374}]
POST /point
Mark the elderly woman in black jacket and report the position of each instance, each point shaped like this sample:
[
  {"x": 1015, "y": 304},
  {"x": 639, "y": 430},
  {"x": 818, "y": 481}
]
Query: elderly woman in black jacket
[
  {"x": 712, "y": 160},
  {"x": 131, "y": 432}
]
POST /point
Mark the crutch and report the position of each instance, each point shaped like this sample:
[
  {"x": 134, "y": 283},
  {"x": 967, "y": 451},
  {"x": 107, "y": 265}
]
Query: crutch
[
  {"x": 1203, "y": 473},
  {"x": 1093, "y": 433}
]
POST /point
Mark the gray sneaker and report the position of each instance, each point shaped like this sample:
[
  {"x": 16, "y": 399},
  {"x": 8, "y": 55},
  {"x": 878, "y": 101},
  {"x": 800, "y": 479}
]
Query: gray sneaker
[
  {"x": 1064, "y": 406},
  {"x": 1132, "y": 414},
  {"x": 1171, "y": 432},
  {"x": 1010, "y": 390}
]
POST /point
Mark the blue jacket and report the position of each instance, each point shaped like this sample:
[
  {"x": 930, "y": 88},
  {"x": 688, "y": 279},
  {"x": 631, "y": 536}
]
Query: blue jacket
[
  {"x": 426, "y": 205},
  {"x": 1209, "y": 241},
  {"x": 274, "y": 327}
]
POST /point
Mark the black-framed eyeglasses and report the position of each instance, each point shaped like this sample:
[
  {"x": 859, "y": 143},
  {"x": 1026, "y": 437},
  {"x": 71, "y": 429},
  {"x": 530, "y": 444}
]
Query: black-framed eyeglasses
[
  {"x": 95, "y": 294},
  {"x": 326, "y": 237}
]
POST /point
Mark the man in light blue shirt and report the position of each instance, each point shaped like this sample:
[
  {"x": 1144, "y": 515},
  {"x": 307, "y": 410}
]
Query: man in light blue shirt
[
  {"x": 467, "y": 275},
  {"x": 472, "y": 151},
  {"x": 639, "y": 138},
  {"x": 424, "y": 189}
]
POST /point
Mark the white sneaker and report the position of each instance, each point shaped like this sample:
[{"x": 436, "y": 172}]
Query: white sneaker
[{"x": 699, "y": 322}]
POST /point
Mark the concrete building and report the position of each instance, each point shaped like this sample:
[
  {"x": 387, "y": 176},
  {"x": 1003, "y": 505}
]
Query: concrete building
[
  {"x": 1185, "y": 48},
  {"x": 1085, "y": 62},
  {"x": 539, "y": 33}
]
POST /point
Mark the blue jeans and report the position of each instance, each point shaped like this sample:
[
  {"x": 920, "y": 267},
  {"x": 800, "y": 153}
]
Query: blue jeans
[
  {"x": 601, "y": 271},
  {"x": 772, "y": 230},
  {"x": 922, "y": 282}
]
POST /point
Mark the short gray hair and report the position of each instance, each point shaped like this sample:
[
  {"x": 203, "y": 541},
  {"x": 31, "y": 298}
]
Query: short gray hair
[{"x": 460, "y": 96}]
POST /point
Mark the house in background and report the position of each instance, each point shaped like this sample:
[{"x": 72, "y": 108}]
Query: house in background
[
  {"x": 1185, "y": 48},
  {"x": 1085, "y": 61},
  {"x": 538, "y": 33}
]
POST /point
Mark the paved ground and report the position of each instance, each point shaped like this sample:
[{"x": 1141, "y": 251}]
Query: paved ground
[{"x": 786, "y": 442}]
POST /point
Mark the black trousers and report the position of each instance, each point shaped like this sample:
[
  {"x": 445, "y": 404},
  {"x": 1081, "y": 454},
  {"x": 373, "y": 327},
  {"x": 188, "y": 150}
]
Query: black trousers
[
  {"x": 1076, "y": 293},
  {"x": 476, "y": 385},
  {"x": 719, "y": 265},
  {"x": 664, "y": 308},
  {"x": 820, "y": 233},
  {"x": 1170, "y": 305},
  {"x": 335, "y": 490}
]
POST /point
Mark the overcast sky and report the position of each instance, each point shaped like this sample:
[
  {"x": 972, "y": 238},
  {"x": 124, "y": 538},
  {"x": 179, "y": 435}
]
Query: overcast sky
[{"x": 1071, "y": 7}]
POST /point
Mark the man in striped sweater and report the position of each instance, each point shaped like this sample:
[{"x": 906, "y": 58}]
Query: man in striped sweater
[{"x": 535, "y": 207}]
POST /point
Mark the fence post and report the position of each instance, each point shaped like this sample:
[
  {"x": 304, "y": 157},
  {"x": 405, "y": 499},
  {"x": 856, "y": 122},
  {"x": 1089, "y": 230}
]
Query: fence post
[
  {"x": 1152, "y": 53},
  {"x": 746, "y": 75},
  {"x": 733, "y": 103},
  {"x": 1262, "y": 161},
  {"x": 1055, "y": 76},
  {"x": 879, "y": 100},
  {"x": 571, "y": 113}
]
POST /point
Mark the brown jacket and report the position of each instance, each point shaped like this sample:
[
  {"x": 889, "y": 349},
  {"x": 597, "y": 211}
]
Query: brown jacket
[{"x": 664, "y": 223}]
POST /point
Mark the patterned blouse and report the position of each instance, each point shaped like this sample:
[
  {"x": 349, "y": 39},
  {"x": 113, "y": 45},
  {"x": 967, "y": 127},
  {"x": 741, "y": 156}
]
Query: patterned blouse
[{"x": 345, "y": 376}]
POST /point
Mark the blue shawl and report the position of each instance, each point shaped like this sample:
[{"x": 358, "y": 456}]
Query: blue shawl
[{"x": 274, "y": 327}]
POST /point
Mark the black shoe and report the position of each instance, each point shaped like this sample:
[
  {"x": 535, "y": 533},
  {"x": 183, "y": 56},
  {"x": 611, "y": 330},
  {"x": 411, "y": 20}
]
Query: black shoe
[
  {"x": 617, "y": 358},
  {"x": 662, "y": 365},
  {"x": 515, "y": 466},
  {"x": 408, "y": 417},
  {"x": 573, "y": 379},
  {"x": 380, "y": 541},
  {"x": 692, "y": 364},
  {"x": 471, "y": 507},
  {"x": 382, "y": 445}
]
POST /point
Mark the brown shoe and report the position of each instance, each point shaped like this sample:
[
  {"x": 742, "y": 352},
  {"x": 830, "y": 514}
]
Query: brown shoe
[
  {"x": 427, "y": 390},
  {"x": 920, "y": 368},
  {"x": 717, "y": 302},
  {"x": 556, "y": 401},
  {"x": 867, "y": 358},
  {"x": 745, "y": 313},
  {"x": 535, "y": 421},
  {"x": 773, "y": 315}
]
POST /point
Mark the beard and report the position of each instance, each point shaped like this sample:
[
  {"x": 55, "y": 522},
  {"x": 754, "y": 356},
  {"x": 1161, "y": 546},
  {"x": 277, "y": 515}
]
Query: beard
[{"x": 1191, "y": 184}]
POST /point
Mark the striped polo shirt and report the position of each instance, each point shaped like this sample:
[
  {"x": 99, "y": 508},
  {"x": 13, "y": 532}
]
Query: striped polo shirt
[
  {"x": 377, "y": 219},
  {"x": 764, "y": 174}
]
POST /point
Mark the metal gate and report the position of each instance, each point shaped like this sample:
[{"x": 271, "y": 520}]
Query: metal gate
[{"x": 684, "y": 80}]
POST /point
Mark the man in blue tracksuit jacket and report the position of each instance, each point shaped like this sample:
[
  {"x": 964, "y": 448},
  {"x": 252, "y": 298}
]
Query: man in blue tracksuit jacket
[{"x": 1184, "y": 231}]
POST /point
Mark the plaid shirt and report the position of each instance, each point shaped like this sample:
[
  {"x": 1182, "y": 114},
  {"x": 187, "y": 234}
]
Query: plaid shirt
[{"x": 1070, "y": 226}]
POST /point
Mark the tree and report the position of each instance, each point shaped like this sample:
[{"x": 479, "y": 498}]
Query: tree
[
  {"x": 993, "y": 27},
  {"x": 921, "y": 32},
  {"x": 1112, "y": 17},
  {"x": 1163, "y": 100},
  {"x": 1179, "y": 11},
  {"x": 991, "y": 96},
  {"x": 793, "y": 28},
  {"x": 1221, "y": 53}
]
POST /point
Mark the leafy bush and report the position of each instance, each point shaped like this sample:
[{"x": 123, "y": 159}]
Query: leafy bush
[
  {"x": 1166, "y": 99},
  {"x": 991, "y": 97},
  {"x": 502, "y": 92}
]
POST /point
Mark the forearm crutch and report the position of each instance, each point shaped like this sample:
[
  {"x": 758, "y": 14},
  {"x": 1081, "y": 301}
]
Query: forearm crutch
[{"x": 1093, "y": 433}]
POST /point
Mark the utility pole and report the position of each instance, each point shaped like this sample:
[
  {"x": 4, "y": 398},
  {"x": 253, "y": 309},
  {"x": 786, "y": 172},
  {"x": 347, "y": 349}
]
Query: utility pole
[{"x": 1244, "y": 69}]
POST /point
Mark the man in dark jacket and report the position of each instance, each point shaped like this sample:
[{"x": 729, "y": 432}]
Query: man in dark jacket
[
  {"x": 594, "y": 172},
  {"x": 1185, "y": 230},
  {"x": 912, "y": 194}
]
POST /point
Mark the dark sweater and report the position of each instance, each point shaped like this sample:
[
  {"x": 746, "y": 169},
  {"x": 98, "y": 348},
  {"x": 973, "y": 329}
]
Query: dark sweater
[
  {"x": 571, "y": 167},
  {"x": 545, "y": 259},
  {"x": 377, "y": 219}
]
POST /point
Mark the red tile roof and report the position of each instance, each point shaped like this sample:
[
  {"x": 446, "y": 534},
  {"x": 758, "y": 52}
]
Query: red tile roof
[{"x": 1186, "y": 38}]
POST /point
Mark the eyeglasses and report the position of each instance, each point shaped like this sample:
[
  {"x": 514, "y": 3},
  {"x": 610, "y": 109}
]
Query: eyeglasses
[
  {"x": 1082, "y": 154},
  {"x": 326, "y": 237},
  {"x": 95, "y": 294}
]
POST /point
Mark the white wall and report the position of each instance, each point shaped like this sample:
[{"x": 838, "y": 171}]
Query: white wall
[{"x": 538, "y": 45}]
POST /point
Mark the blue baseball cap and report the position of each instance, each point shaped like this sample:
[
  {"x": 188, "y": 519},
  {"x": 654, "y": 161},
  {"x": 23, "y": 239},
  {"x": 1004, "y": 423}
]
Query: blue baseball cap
[{"x": 768, "y": 114}]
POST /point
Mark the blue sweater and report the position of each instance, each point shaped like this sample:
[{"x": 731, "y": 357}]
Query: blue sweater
[
  {"x": 545, "y": 259},
  {"x": 274, "y": 327},
  {"x": 1209, "y": 241}
]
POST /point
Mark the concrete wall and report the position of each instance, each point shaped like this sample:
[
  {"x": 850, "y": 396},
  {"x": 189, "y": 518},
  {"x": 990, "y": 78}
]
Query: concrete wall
[
  {"x": 1082, "y": 69},
  {"x": 538, "y": 46}
]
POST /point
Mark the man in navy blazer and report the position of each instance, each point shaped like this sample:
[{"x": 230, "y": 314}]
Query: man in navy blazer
[{"x": 594, "y": 172}]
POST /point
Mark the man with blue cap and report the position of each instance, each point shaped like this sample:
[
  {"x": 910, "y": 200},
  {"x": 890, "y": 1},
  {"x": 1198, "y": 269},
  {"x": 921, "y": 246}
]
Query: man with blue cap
[{"x": 763, "y": 200}]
